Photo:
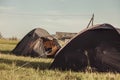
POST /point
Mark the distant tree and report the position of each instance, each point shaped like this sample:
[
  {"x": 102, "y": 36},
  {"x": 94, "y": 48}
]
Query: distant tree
[
  {"x": 13, "y": 38},
  {"x": 1, "y": 35}
]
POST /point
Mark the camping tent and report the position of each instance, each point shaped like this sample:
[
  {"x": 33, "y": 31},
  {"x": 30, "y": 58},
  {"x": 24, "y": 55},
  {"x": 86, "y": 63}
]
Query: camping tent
[
  {"x": 37, "y": 43},
  {"x": 97, "y": 46}
]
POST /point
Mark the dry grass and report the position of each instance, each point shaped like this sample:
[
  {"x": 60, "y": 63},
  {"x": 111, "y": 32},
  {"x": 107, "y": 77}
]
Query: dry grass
[{"x": 6, "y": 46}]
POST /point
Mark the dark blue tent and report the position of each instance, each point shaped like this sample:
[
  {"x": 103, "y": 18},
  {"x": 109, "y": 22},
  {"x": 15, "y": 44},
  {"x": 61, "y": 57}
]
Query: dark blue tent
[{"x": 97, "y": 46}]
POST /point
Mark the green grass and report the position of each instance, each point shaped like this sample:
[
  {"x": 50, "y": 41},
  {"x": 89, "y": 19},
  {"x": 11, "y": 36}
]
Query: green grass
[{"x": 26, "y": 68}]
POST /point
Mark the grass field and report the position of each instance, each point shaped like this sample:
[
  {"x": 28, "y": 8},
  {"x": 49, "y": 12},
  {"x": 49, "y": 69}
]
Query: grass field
[{"x": 26, "y": 68}]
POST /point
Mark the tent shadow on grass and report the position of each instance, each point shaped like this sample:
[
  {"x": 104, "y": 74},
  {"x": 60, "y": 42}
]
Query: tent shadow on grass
[
  {"x": 5, "y": 52},
  {"x": 20, "y": 63}
]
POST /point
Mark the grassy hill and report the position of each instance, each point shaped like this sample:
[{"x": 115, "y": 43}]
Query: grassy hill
[{"x": 26, "y": 68}]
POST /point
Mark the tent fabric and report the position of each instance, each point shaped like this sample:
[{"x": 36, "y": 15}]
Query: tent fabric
[
  {"x": 33, "y": 44},
  {"x": 97, "y": 46}
]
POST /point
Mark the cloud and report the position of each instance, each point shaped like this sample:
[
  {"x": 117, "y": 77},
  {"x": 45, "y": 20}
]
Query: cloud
[{"x": 6, "y": 8}]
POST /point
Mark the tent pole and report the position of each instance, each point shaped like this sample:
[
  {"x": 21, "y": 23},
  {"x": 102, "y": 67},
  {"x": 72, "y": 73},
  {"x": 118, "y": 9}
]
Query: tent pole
[{"x": 91, "y": 21}]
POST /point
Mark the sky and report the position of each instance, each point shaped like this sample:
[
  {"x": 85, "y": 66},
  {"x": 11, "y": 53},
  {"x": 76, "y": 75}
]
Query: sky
[{"x": 18, "y": 17}]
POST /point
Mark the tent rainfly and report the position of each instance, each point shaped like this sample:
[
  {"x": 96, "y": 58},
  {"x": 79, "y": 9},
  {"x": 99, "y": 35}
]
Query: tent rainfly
[
  {"x": 37, "y": 43},
  {"x": 97, "y": 46}
]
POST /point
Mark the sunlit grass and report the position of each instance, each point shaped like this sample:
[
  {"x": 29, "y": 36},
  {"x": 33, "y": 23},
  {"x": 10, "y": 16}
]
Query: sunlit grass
[
  {"x": 6, "y": 41},
  {"x": 6, "y": 46}
]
